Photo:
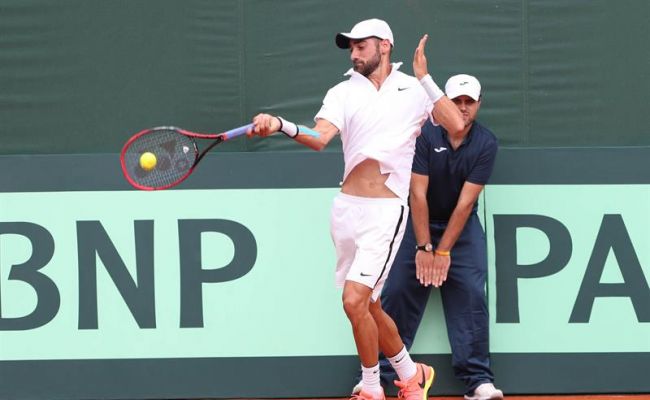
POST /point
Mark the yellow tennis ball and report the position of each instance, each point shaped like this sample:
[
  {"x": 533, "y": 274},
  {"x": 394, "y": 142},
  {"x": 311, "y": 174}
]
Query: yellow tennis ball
[{"x": 148, "y": 161}]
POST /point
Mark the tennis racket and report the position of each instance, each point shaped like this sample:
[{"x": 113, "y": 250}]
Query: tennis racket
[{"x": 160, "y": 158}]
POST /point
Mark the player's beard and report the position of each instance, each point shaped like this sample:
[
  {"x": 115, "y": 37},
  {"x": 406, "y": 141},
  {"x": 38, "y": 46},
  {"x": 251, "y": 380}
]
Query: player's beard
[{"x": 366, "y": 68}]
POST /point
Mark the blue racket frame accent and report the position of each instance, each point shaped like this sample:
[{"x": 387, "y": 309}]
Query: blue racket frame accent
[{"x": 233, "y": 133}]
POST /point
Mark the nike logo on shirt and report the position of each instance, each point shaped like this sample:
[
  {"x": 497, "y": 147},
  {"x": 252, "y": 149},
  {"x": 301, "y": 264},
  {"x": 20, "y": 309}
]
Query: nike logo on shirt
[
  {"x": 399, "y": 89},
  {"x": 439, "y": 149}
]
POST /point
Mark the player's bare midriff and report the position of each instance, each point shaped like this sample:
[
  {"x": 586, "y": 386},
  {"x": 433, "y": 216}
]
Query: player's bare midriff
[{"x": 366, "y": 180}]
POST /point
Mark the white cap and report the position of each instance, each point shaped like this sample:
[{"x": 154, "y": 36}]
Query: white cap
[
  {"x": 462, "y": 84},
  {"x": 365, "y": 29}
]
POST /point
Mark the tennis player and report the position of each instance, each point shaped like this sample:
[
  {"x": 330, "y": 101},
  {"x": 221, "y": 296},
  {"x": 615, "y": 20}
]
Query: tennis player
[{"x": 378, "y": 112}]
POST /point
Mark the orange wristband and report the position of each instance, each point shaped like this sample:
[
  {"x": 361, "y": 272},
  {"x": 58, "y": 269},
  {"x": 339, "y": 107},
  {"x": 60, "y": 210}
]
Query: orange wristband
[{"x": 442, "y": 253}]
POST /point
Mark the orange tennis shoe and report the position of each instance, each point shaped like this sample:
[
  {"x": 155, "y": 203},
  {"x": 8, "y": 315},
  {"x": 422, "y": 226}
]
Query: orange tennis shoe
[
  {"x": 417, "y": 388},
  {"x": 367, "y": 396}
]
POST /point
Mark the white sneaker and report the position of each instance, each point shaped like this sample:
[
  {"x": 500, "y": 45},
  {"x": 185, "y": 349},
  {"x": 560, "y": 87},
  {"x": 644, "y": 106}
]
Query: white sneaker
[
  {"x": 357, "y": 388},
  {"x": 485, "y": 391}
]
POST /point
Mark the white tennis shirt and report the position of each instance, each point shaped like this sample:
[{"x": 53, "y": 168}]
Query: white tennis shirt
[{"x": 379, "y": 124}]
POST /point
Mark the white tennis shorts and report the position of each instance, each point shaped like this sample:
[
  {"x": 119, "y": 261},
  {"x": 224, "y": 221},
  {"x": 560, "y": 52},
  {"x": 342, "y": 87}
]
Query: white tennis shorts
[{"x": 367, "y": 233}]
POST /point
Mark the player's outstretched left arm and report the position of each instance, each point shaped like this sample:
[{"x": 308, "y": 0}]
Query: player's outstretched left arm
[
  {"x": 315, "y": 138},
  {"x": 445, "y": 111}
]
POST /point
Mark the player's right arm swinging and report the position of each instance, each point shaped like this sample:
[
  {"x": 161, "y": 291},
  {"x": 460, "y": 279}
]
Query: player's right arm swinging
[{"x": 315, "y": 138}]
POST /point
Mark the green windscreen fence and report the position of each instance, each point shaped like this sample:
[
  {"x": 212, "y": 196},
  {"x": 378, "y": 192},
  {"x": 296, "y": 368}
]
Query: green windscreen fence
[
  {"x": 79, "y": 76},
  {"x": 111, "y": 293}
]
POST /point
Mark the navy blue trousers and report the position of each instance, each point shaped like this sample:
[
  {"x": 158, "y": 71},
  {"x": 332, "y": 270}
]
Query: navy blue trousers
[{"x": 463, "y": 300}]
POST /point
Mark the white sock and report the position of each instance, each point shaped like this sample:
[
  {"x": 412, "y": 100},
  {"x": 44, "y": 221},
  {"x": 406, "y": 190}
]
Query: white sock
[
  {"x": 403, "y": 365},
  {"x": 370, "y": 379}
]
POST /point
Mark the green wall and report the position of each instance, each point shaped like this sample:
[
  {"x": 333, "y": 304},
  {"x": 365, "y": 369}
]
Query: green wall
[
  {"x": 178, "y": 294},
  {"x": 79, "y": 76},
  {"x": 106, "y": 292}
]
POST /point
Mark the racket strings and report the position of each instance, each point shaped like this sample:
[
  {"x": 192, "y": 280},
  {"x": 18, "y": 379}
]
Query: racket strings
[{"x": 175, "y": 155}]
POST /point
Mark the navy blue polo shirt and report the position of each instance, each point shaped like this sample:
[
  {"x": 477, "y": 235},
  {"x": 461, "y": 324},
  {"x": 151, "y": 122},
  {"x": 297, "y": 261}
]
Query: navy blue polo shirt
[{"x": 449, "y": 169}]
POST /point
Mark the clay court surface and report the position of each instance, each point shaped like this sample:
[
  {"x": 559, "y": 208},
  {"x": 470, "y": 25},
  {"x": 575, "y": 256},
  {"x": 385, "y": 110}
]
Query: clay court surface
[{"x": 529, "y": 397}]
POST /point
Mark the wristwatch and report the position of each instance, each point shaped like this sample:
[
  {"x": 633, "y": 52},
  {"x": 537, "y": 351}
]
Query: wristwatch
[{"x": 425, "y": 247}]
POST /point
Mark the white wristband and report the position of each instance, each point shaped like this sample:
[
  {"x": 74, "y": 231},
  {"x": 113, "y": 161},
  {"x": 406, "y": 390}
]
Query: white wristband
[
  {"x": 431, "y": 88},
  {"x": 288, "y": 128}
]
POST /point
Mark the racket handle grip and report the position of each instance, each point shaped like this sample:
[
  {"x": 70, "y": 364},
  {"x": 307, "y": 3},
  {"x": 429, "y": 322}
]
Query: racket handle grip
[{"x": 233, "y": 133}]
